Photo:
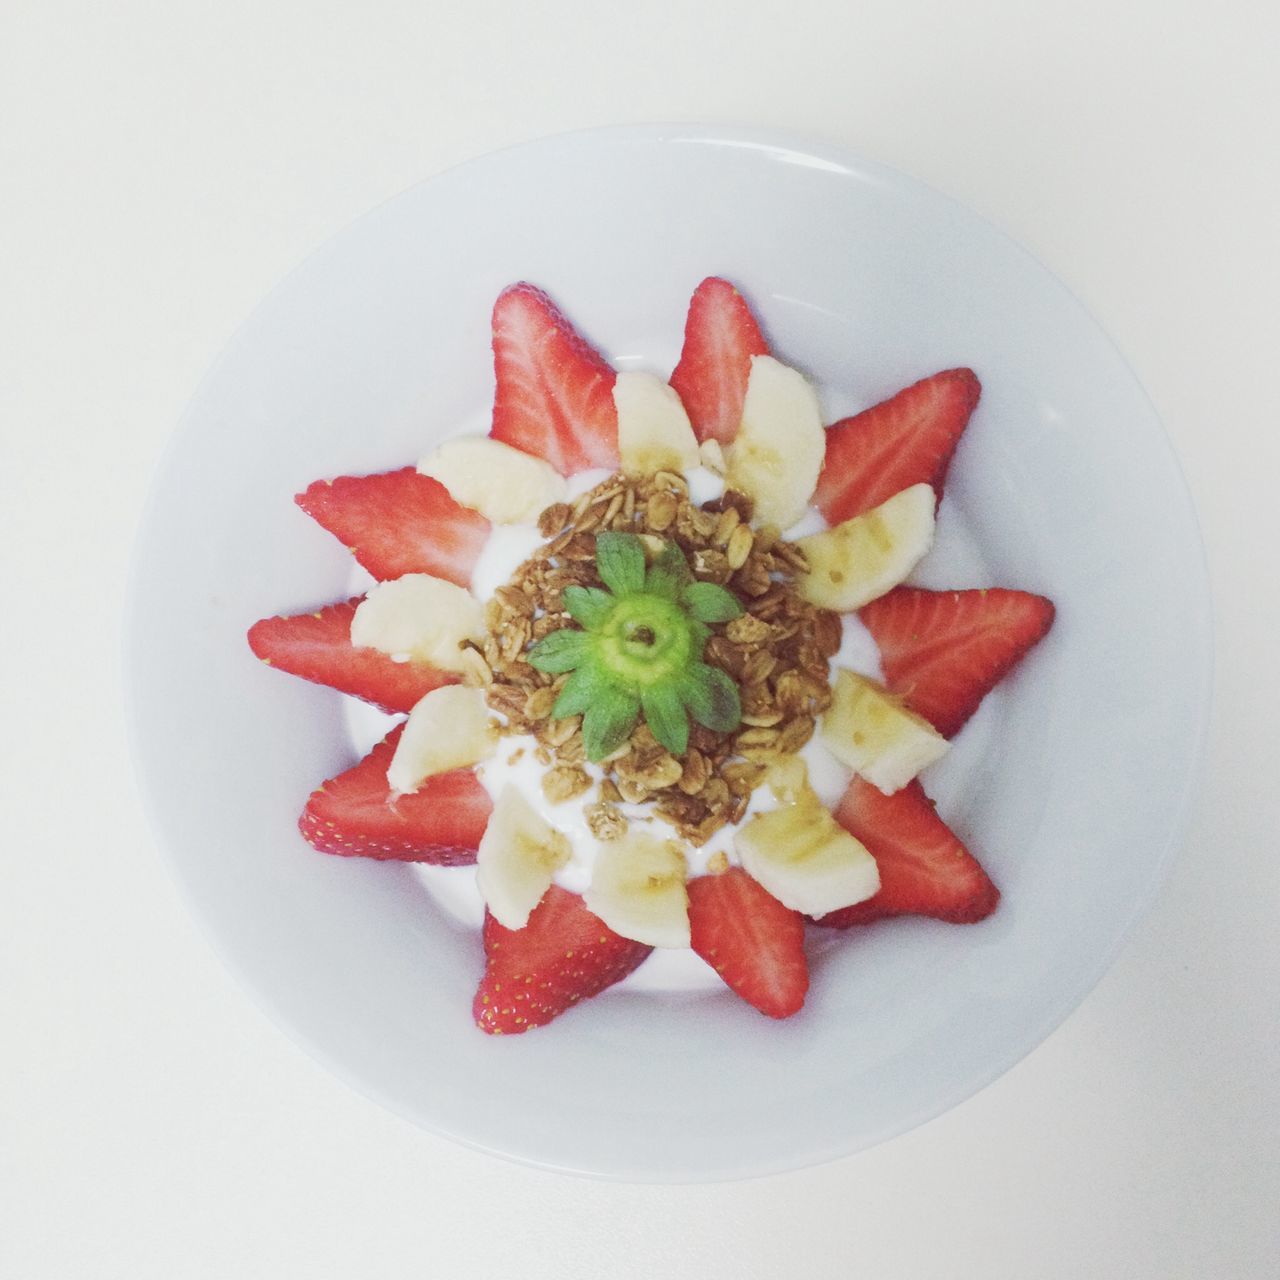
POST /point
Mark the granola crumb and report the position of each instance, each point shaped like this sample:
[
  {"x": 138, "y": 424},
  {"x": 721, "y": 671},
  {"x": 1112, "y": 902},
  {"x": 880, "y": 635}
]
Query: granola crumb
[
  {"x": 605, "y": 821},
  {"x": 565, "y": 782}
]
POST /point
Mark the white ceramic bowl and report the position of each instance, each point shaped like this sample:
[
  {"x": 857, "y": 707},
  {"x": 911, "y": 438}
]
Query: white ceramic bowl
[{"x": 1072, "y": 784}]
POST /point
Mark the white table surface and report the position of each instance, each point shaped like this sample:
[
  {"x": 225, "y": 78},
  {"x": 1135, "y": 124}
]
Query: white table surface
[{"x": 161, "y": 166}]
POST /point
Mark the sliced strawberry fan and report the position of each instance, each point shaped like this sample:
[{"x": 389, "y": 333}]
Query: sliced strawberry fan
[
  {"x": 317, "y": 646},
  {"x": 924, "y": 868},
  {"x": 720, "y": 337},
  {"x": 563, "y": 955},
  {"x": 751, "y": 940},
  {"x": 944, "y": 651},
  {"x": 399, "y": 522},
  {"x": 553, "y": 393},
  {"x": 909, "y": 439},
  {"x": 356, "y": 814}
]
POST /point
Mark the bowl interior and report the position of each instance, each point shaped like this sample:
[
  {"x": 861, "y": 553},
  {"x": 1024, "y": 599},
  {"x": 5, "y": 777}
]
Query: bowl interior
[{"x": 1071, "y": 784}]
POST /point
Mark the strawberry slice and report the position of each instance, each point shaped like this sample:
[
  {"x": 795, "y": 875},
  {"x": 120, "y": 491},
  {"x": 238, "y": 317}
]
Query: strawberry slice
[
  {"x": 317, "y": 647},
  {"x": 355, "y": 815},
  {"x": 924, "y": 869},
  {"x": 399, "y": 522},
  {"x": 720, "y": 337},
  {"x": 906, "y": 440},
  {"x": 751, "y": 940},
  {"x": 563, "y": 955},
  {"x": 554, "y": 393},
  {"x": 944, "y": 651}
]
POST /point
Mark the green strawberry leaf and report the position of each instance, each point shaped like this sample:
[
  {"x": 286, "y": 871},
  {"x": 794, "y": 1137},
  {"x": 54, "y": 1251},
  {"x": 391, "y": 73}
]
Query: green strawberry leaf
[
  {"x": 587, "y": 605},
  {"x": 620, "y": 562},
  {"x": 709, "y": 602},
  {"x": 712, "y": 698},
  {"x": 665, "y": 715},
  {"x": 587, "y": 684},
  {"x": 608, "y": 722},
  {"x": 669, "y": 574},
  {"x": 560, "y": 651}
]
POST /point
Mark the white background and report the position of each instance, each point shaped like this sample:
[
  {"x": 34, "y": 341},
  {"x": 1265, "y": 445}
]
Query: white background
[{"x": 161, "y": 166}]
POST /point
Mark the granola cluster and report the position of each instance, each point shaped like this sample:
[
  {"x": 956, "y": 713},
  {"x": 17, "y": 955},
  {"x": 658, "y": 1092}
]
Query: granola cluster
[{"x": 777, "y": 653}]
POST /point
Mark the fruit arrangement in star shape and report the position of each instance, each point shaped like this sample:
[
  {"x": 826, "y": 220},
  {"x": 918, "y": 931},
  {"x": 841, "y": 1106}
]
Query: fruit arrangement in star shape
[{"x": 631, "y": 653}]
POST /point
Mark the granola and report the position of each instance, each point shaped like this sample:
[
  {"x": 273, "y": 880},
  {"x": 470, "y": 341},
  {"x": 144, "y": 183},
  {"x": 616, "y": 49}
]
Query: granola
[{"x": 776, "y": 652}]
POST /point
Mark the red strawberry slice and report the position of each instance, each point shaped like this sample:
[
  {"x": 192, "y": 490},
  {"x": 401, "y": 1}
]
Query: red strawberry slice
[
  {"x": 751, "y": 940},
  {"x": 906, "y": 440},
  {"x": 720, "y": 337},
  {"x": 554, "y": 393},
  {"x": 317, "y": 647},
  {"x": 399, "y": 522},
  {"x": 563, "y": 955},
  {"x": 924, "y": 869},
  {"x": 944, "y": 651},
  {"x": 355, "y": 814}
]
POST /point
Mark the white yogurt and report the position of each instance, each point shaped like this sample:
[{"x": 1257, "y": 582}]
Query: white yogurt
[
  {"x": 705, "y": 485},
  {"x": 509, "y": 546}
]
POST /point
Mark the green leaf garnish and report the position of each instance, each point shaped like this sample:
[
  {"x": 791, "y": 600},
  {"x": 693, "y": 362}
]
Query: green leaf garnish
[
  {"x": 664, "y": 713},
  {"x": 712, "y": 698},
  {"x": 709, "y": 602},
  {"x": 639, "y": 651},
  {"x": 620, "y": 562},
  {"x": 608, "y": 722},
  {"x": 587, "y": 684},
  {"x": 669, "y": 574},
  {"x": 587, "y": 605},
  {"x": 559, "y": 651}
]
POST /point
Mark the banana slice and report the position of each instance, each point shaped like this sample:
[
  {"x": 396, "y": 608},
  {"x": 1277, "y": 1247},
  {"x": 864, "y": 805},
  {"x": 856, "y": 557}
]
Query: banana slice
[
  {"x": 503, "y": 484},
  {"x": 638, "y": 889},
  {"x": 419, "y": 617},
  {"x": 653, "y": 428},
  {"x": 448, "y": 728},
  {"x": 779, "y": 448},
  {"x": 802, "y": 855},
  {"x": 861, "y": 559},
  {"x": 519, "y": 854},
  {"x": 876, "y": 736}
]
